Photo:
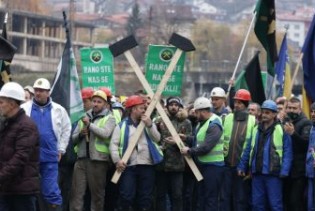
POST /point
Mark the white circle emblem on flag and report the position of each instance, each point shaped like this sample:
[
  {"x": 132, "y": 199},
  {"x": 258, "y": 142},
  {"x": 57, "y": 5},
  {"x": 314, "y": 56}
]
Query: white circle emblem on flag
[{"x": 96, "y": 56}]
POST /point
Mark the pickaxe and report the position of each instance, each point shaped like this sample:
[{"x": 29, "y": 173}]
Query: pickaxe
[{"x": 123, "y": 47}]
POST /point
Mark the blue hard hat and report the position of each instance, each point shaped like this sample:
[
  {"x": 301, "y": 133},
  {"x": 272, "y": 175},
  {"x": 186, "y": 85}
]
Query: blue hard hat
[
  {"x": 269, "y": 104},
  {"x": 117, "y": 105}
]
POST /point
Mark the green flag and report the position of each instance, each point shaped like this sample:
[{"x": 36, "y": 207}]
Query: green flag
[
  {"x": 253, "y": 80},
  {"x": 240, "y": 82},
  {"x": 265, "y": 30},
  {"x": 66, "y": 86}
]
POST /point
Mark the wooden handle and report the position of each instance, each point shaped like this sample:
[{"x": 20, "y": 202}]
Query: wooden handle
[
  {"x": 164, "y": 116},
  {"x": 155, "y": 99}
]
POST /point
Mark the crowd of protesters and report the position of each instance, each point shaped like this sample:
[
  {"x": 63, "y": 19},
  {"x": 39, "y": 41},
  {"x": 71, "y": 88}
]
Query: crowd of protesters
[{"x": 251, "y": 156}]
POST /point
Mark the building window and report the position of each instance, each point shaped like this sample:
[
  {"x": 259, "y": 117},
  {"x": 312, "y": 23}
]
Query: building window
[
  {"x": 296, "y": 26},
  {"x": 296, "y": 35}
]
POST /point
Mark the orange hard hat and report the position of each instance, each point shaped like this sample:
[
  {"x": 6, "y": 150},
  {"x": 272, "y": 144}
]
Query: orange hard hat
[
  {"x": 107, "y": 91},
  {"x": 134, "y": 100},
  {"x": 87, "y": 93},
  {"x": 242, "y": 94}
]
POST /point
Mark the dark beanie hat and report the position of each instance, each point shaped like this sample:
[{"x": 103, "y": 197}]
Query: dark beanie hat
[{"x": 173, "y": 100}]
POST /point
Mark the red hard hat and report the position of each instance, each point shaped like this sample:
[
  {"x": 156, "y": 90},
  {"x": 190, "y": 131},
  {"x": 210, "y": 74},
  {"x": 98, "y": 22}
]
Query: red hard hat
[
  {"x": 107, "y": 91},
  {"x": 87, "y": 92},
  {"x": 134, "y": 100},
  {"x": 242, "y": 94}
]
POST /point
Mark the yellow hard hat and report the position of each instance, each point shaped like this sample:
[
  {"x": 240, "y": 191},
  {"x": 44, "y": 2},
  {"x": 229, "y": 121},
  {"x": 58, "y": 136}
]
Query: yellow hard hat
[{"x": 101, "y": 94}]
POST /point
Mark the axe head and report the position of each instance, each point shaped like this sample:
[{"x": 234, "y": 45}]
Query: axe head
[
  {"x": 181, "y": 42},
  {"x": 123, "y": 45}
]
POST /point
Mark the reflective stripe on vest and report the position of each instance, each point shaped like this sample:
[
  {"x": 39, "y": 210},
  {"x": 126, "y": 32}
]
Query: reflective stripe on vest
[
  {"x": 117, "y": 116},
  {"x": 216, "y": 154},
  {"x": 228, "y": 129},
  {"x": 122, "y": 140},
  {"x": 80, "y": 125},
  {"x": 101, "y": 144},
  {"x": 277, "y": 142}
]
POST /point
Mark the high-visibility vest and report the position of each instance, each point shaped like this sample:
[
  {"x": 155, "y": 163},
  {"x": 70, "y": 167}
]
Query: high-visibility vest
[
  {"x": 117, "y": 116},
  {"x": 216, "y": 154},
  {"x": 228, "y": 128},
  {"x": 277, "y": 142},
  {"x": 155, "y": 151},
  {"x": 101, "y": 144}
]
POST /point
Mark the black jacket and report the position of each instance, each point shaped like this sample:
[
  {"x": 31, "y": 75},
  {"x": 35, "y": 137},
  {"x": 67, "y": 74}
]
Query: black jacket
[{"x": 300, "y": 138}]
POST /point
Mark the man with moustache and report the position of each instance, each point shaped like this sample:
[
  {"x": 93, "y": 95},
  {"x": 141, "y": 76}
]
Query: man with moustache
[{"x": 268, "y": 157}]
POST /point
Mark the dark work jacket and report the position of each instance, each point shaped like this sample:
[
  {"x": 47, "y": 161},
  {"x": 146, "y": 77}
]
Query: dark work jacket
[
  {"x": 173, "y": 159},
  {"x": 300, "y": 139},
  {"x": 19, "y": 156}
]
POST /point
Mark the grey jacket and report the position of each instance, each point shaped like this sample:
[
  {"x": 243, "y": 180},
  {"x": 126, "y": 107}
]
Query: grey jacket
[
  {"x": 95, "y": 131},
  {"x": 141, "y": 154}
]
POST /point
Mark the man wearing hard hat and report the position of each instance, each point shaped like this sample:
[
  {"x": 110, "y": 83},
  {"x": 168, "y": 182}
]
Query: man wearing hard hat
[
  {"x": 19, "y": 152},
  {"x": 207, "y": 148},
  {"x": 237, "y": 131},
  {"x": 138, "y": 175},
  {"x": 268, "y": 157},
  {"x": 92, "y": 137},
  {"x": 218, "y": 100},
  {"x": 54, "y": 127}
]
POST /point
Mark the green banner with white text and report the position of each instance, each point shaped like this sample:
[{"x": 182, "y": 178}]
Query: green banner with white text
[
  {"x": 157, "y": 62},
  {"x": 97, "y": 68}
]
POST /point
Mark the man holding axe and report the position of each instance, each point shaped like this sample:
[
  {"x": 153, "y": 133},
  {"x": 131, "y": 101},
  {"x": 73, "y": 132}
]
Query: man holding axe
[
  {"x": 138, "y": 175},
  {"x": 123, "y": 47},
  {"x": 207, "y": 147}
]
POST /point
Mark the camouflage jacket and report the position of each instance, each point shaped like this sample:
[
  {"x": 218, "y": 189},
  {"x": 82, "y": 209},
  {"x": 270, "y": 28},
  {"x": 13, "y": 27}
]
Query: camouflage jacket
[{"x": 173, "y": 160}]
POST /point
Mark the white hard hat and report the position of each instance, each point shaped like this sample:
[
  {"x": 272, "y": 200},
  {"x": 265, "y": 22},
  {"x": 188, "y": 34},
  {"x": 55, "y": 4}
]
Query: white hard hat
[
  {"x": 201, "y": 103},
  {"x": 217, "y": 92},
  {"x": 13, "y": 90},
  {"x": 42, "y": 83},
  {"x": 29, "y": 88}
]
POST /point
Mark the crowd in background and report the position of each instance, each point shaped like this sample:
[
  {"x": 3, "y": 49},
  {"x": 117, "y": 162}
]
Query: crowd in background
[{"x": 251, "y": 156}]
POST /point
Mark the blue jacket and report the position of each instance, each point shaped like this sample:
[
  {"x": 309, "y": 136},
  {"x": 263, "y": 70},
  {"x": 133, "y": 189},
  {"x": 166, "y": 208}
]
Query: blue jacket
[
  {"x": 286, "y": 158},
  {"x": 310, "y": 156}
]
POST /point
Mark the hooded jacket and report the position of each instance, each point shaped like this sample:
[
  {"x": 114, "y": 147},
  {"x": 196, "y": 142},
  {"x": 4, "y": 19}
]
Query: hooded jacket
[{"x": 173, "y": 159}]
